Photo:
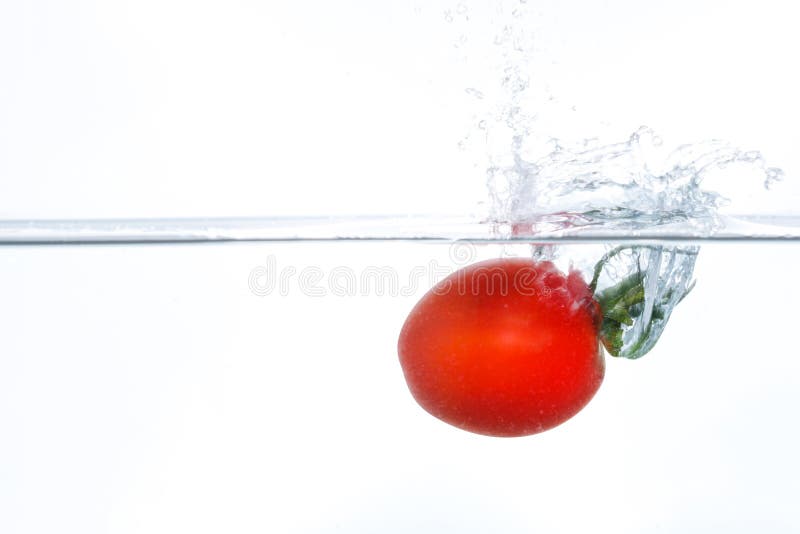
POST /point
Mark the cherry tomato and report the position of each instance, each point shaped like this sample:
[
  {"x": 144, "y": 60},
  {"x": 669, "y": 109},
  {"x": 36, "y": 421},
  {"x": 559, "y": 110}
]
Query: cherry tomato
[{"x": 504, "y": 347}]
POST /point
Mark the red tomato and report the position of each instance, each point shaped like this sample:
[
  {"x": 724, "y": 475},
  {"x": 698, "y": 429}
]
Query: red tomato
[{"x": 505, "y": 347}]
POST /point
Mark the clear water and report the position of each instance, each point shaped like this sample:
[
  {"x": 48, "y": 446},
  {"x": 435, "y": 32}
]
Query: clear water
[
  {"x": 153, "y": 385},
  {"x": 162, "y": 387},
  {"x": 638, "y": 184}
]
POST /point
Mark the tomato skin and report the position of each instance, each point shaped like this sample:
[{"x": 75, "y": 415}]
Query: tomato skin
[{"x": 505, "y": 347}]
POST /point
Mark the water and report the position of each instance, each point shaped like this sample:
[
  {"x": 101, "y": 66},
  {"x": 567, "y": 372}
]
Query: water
[
  {"x": 152, "y": 388},
  {"x": 638, "y": 184},
  {"x": 186, "y": 367}
]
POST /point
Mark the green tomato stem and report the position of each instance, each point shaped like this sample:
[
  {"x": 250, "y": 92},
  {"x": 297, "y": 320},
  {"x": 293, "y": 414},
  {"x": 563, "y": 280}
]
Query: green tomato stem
[{"x": 621, "y": 303}]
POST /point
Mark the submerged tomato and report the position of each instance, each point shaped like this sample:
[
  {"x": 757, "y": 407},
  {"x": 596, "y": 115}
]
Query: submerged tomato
[{"x": 505, "y": 347}]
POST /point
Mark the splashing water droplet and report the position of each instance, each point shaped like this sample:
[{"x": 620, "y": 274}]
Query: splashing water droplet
[
  {"x": 773, "y": 175},
  {"x": 539, "y": 182}
]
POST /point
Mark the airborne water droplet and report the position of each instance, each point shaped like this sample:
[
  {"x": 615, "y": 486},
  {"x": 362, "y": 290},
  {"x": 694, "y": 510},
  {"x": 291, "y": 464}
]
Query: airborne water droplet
[
  {"x": 570, "y": 186},
  {"x": 773, "y": 175}
]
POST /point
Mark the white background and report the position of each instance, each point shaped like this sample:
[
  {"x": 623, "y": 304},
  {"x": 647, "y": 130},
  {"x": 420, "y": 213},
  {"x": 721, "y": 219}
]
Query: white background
[
  {"x": 146, "y": 389},
  {"x": 172, "y": 108}
]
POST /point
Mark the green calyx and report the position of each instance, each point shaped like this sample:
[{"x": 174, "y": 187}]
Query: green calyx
[
  {"x": 620, "y": 304},
  {"x": 623, "y": 303}
]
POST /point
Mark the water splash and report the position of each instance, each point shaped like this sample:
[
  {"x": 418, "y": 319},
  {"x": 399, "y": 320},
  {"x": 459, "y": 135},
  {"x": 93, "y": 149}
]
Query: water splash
[
  {"x": 533, "y": 173},
  {"x": 663, "y": 274},
  {"x": 539, "y": 182},
  {"x": 635, "y": 184}
]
